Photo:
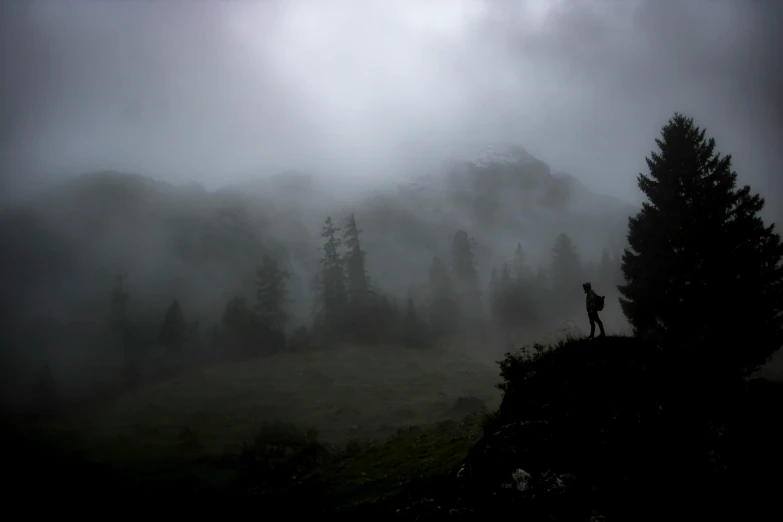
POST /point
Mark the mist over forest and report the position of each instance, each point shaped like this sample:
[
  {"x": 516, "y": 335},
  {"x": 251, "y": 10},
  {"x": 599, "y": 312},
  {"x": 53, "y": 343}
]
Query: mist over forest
[
  {"x": 64, "y": 250},
  {"x": 359, "y": 218}
]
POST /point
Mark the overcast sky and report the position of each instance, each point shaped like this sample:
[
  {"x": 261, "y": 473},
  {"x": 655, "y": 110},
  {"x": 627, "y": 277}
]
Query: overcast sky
[{"x": 212, "y": 91}]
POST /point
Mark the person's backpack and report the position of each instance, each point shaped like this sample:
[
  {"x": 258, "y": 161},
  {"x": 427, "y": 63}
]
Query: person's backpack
[{"x": 601, "y": 302}]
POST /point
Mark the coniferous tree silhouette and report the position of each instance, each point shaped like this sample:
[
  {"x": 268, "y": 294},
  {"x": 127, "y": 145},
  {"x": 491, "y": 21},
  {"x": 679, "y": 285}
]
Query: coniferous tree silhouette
[
  {"x": 271, "y": 303},
  {"x": 445, "y": 311},
  {"x": 466, "y": 276},
  {"x": 413, "y": 328},
  {"x": 493, "y": 292},
  {"x": 271, "y": 295},
  {"x": 519, "y": 264},
  {"x": 330, "y": 294},
  {"x": 703, "y": 272},
  {"x": 566, "y": 264},
  {"x": 172, "y": 332},
  {"x": 360, "y": 319},
  {"x": 357, "y": 280}
]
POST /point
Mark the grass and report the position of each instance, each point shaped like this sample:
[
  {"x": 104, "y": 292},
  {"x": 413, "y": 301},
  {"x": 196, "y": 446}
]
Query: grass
[
  {"x": 376, "y": 475},
  {"x": 390, "y": 416},
  {"x": 390, "y": 433}
]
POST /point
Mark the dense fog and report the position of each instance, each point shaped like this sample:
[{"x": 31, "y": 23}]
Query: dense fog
[{"x": 176, "y": 144}]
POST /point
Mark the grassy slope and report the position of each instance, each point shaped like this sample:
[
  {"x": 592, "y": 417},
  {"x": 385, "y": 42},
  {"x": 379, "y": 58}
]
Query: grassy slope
[
  {"x": 347, "y": 393},
  {"x": 399, "y": 402},
  {"x": 136, "y": 442}
]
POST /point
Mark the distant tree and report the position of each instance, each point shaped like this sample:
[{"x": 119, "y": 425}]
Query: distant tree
[
  {"x": 386, "y": 319},
  {"x": 589, "y": 271},
  {"x": 363, "y": 309},
  {"x": 358, "y": 282},
  {"x": 271, "y": 295},
  {"x": 505, "y": 276},
  {"x": 567, "y": 270},
  {"x": 172, "y": 333},
  {"x": 542, "y": 280},
  {"x": 520, "y": 262},
  {"x": 703, "y": 272},
  {"x": 605, "y": 268},
  {"x": 513, "y": 307},
  {"x": 271, "y": 304},
  {"x": 466, "y": 276},
  {"x": 609, "y": 275},
  {"x": 330, "y": 294},
  {"x": 241, "y": 333},
  {"x": 501, "y": 289},
  {"x": 493, "y": 290},
  {"x": 445, "y": 312},
  {"x": 414, "y": 333},
  {"x": 301, "y": 340}
]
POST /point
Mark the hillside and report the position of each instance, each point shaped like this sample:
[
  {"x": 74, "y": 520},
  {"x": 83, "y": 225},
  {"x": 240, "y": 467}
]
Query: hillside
[
  {"x": 350, "y": 392},
  {"x": 601, "y": 430},
  {"x": 368, "y": 408},
  {"x": 128, "y": 218},
  {"x": 61, "y": 251},
  {"x": 613, "y": 429}
]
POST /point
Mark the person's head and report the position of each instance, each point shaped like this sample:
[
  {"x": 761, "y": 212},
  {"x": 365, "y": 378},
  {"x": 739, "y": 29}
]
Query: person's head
[{"x": 587, "y": 287}]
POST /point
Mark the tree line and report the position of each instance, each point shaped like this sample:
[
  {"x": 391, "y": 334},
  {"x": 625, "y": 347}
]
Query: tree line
[
  {"x": 348, "y": 307},
  {"x": 701, "y": 276}
]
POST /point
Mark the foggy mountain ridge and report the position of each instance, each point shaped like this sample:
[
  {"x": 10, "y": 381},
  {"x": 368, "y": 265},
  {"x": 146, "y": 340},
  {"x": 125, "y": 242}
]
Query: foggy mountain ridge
[{"x": 203, "y": 246}]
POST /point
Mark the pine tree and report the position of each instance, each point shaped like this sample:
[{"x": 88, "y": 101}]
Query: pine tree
[
  {"x": 567, "y": 271},
  {"x": 542, "y": 280},
  {"x": 493, "y": 290},
  {"x": 502, "y": 291},
  {"x": 608, "y": 272},
  {"x": 703, "y": 273},
  {"x": 513, "y": 307},
  {"x": 364, "y": 313},
  {"x": 520, "y": 262},
  {"x": 358, "y": 282},
  {"x": 413, "y": 328},
  {"x": 445, "y": 313},
  {"x": 241, "y": 328},
  {"x": 329, "y": 286},
  {"x": 505, "y": 276},
  {"x": 271, "y": 294},
  {"x": 605, "y": 267},
  {"x": 172, "y": 332},
  {"x": 466, "y": 277}
]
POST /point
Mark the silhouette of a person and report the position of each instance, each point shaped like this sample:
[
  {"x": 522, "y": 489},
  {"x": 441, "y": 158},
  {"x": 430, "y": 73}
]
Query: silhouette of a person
[{"x": 592, "y": 310}]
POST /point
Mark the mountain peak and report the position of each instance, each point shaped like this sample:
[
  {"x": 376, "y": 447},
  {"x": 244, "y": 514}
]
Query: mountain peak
[{"x": 501, "y": 153}]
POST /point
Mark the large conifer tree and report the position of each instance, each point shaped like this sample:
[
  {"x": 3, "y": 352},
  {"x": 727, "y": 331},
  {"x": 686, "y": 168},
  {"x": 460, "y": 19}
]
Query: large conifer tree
[
  {"x": 357, "y": 280},
  {"x": 362, "y": 313},
  {"x": 329, "y": 286},
  {"x": 271, "y": 295},
  {"x": 703, "y": 271}
]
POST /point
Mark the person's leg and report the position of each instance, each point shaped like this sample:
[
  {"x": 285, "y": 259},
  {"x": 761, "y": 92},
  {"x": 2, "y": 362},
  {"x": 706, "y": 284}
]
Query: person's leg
[
  {"x": 600, "y": 324},
  {"x": 591, "y": 316}
]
